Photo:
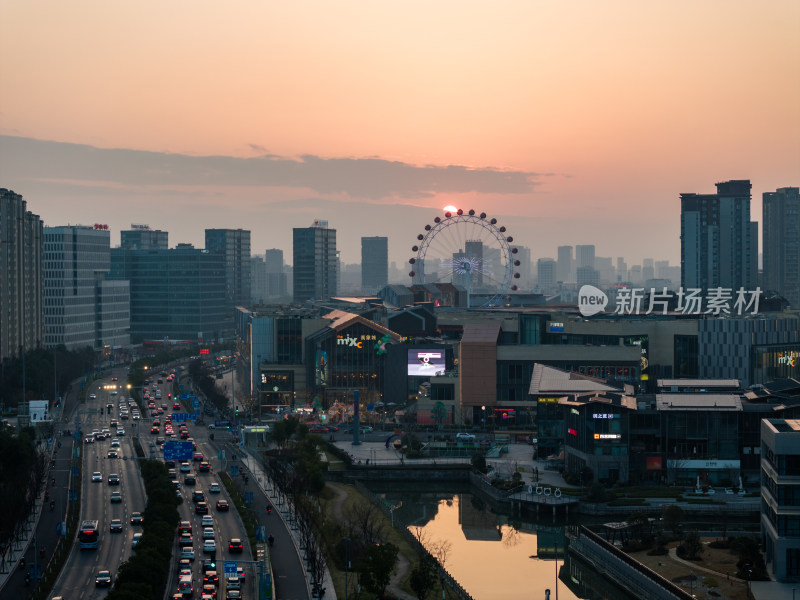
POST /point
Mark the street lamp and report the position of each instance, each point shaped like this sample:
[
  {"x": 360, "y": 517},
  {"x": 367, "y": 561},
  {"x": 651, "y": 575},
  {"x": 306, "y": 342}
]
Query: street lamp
[{"x": 483, "y": 408}]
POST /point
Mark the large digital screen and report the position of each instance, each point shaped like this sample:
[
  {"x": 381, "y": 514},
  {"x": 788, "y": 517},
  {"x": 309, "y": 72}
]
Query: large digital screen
[{"x": 425, "y": 362}]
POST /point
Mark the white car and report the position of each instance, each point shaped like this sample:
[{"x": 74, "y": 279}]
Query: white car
[
  {"x": 209, "y": 547},
  {"x": 185, "y": 467},
  {"x": 208, "y": 533},
  {"x": 186, "y": 552},
  {"x": 233, "y": 583},
  {"x": 207, "y": 521},
  {"x": 135, "y": 539},
  {"x": 214, "y": 488},
  {"x": 465, "y": 437},
  {"x": 97, "y": 477}
]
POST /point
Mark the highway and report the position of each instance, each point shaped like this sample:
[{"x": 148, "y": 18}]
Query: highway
[
  {"x": 77, "y": 580},
  {"x": 78, "y": 577}
]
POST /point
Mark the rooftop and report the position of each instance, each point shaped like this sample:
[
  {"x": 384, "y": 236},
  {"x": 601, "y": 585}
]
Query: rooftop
[
  {"x": 722, "y": 402},
  {"x": 547, "y": 380}
]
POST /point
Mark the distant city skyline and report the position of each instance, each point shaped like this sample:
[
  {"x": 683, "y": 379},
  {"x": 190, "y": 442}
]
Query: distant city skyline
[{"x": 577, "y": 123}]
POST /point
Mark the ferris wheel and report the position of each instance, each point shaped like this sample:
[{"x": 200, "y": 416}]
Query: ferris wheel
[{"x": 469, "y": 250}]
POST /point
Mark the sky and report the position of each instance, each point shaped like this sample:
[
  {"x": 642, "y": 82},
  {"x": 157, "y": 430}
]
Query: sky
[{"x": 570, "y": 122}]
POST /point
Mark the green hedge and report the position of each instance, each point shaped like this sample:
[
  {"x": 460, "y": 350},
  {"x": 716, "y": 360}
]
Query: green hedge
[{"x": 245, "y": 513}]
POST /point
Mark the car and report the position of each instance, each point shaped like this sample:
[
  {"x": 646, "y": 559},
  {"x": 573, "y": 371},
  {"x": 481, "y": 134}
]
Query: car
[
  {"x": 214, "y": 488},
  {"x": 463, "y": 436},
  {"x": 189, "y": 480},
  {"x": 103, "y": 579},
  {"x": 184, "y": 527},
  {"x": 209, "y": 591},
  {"x": 113, "y": 454},
  {"x": 136, "y": 518},
  {"x": 198, "y": 457},
  {"x": 234, "y": 595},
  {"x": 320, "y": 429},
  {"x": 233, "y": 583},
  {"x": 113, "y": 479},
  {"x": 222, "y": 505},
  {"x": 97, "y": 477},
  {"x": 187, "y": 553},
  {"x": 135, "y": 539},
  {"x": 240, "y": 573},
  {"x": 208, "y": 565},
  {"x": 198, "y": 496},
  {"x": 154, "y": 429},
  {"x": 186, "y": 467},
  {"x": 201, "y": 508},
  {"x": 116, "y": 497},
  {"x": 208, "y": 533},
  {"x": 209, "y": 547},
  {"x": 120, "y": 431},
  {"x": 88, "y": 440},
  {"x": 235, "y": 546},
  {"x": 115, "y": 443},
  {"x": 184, "y": 563},
  {"x": 210, "y": 576},
  {"x": 115, "y": 526},
  {"x": 207, "y": 521},
  {"x": 204, "y": 467},
  {"x": 185, "y": 540}
]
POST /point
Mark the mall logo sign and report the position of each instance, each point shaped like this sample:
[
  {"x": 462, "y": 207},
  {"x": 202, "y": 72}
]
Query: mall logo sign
[
  {"x": 691, "y": 301},
  {"x": 591, "y": 300}
]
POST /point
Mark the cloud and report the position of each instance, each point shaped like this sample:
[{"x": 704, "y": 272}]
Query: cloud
[{"x": 367, "y": 178}]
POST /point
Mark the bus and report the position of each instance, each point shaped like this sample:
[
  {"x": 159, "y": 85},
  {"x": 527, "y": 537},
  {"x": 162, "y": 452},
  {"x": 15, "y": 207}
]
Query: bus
[{"x": 88, "y": 535}]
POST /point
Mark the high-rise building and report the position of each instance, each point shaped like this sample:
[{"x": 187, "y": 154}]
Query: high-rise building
[
  {"x": 622, "y": 269},
  {"x": 564, "y": 268},
  {"x": 374, "y": 264},
  {"x": 176, "y": 294},
  {"x": 141, "y": 237},
  {"x": 234, "y": 245},
  {"x": 546, "y": 269},
  {"x": 648, "y": 269},
  {"x": 82, "y": 308},
  {"x": 584, "y": 255},
  {"x": 473, "y": 250},
  {"x": 316, "y": 265},
  {"x": 276, "y": 274},
  {"x": 717, "y": 245},
  {"x": 781, "y": 243},
  {"x": 21, "y": 277}
]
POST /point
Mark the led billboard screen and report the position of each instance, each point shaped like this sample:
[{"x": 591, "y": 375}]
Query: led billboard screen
[{"x": 425, "y": 362}]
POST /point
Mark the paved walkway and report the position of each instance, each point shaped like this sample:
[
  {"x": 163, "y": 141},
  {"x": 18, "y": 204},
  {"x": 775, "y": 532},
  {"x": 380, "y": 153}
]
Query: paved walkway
[
  {"x": 673, "y": 554},
  {"x": 291, "y": 581}
]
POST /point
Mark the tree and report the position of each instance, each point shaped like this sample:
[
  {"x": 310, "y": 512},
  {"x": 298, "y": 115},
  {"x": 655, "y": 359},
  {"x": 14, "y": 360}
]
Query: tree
[
  {"x": 691, "y": 548},
  {"x": 479, "y": 462},
  {"x": 423, "y": 577},
  {"x": 377, "y": 566},
  {"x": 673, "y": 515}
]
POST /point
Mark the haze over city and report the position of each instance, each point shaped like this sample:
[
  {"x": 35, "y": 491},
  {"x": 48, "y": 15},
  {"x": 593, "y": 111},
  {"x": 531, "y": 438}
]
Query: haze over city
[{"x": 572, "y": 123}]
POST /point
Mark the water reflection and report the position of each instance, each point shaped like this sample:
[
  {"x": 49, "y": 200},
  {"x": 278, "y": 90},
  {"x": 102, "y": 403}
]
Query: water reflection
[{"x": 493, "y": 559}]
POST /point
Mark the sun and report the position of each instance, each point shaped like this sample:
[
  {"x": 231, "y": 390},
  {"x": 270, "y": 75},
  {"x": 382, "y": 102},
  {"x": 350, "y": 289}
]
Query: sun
[{"x": 450, "y": 208}]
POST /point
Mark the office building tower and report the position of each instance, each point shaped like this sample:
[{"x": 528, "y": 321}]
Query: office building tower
[
  {"x": 584, "y": 256},
  {"x": 622, "y": 269},
  {"x": 141, "y": 237},
  {"x": 277, "y": 280},
  {"x": 662, "y": 269},
  {"x": 258, "y": 280},
  {"x": 374, "y": 264},
  {"x": 234, "y": 245},
  {"x": 564, "y": 267},
  {"x": 587, "y": 276},
  {"x": 473, "y": 250},
  {"x": 604, "y": 265},
  {"x": 176, "y": 294},
  {"x": 21, "y": 277},
  {"x": 781, "y": 243},
  {"x": 717, "y": 245},
  {"x": 648, "y": 269},
  {"x": 82, "y": 307},
  {"x": 316, "y": 264},
  {"x": 546, "y": 269}
]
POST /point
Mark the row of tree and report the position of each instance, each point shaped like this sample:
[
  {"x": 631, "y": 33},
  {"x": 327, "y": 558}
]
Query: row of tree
[
  {"x": 39, "y": 373},
  {"x": 145, "y": 574},
  {"x": 22, "y": 469}
]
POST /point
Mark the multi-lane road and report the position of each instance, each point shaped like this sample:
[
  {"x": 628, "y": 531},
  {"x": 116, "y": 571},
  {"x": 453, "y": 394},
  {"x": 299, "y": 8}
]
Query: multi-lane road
[{"x": 78, "y": 578}]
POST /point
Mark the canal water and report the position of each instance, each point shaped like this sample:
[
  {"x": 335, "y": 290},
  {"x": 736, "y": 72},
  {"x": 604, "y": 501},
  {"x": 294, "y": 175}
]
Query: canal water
[{"x": 492, "y": 556}]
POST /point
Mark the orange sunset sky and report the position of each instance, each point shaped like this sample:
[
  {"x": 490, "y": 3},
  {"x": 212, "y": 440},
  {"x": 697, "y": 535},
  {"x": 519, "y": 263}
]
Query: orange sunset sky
[{"x": 572, "y": 122}]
